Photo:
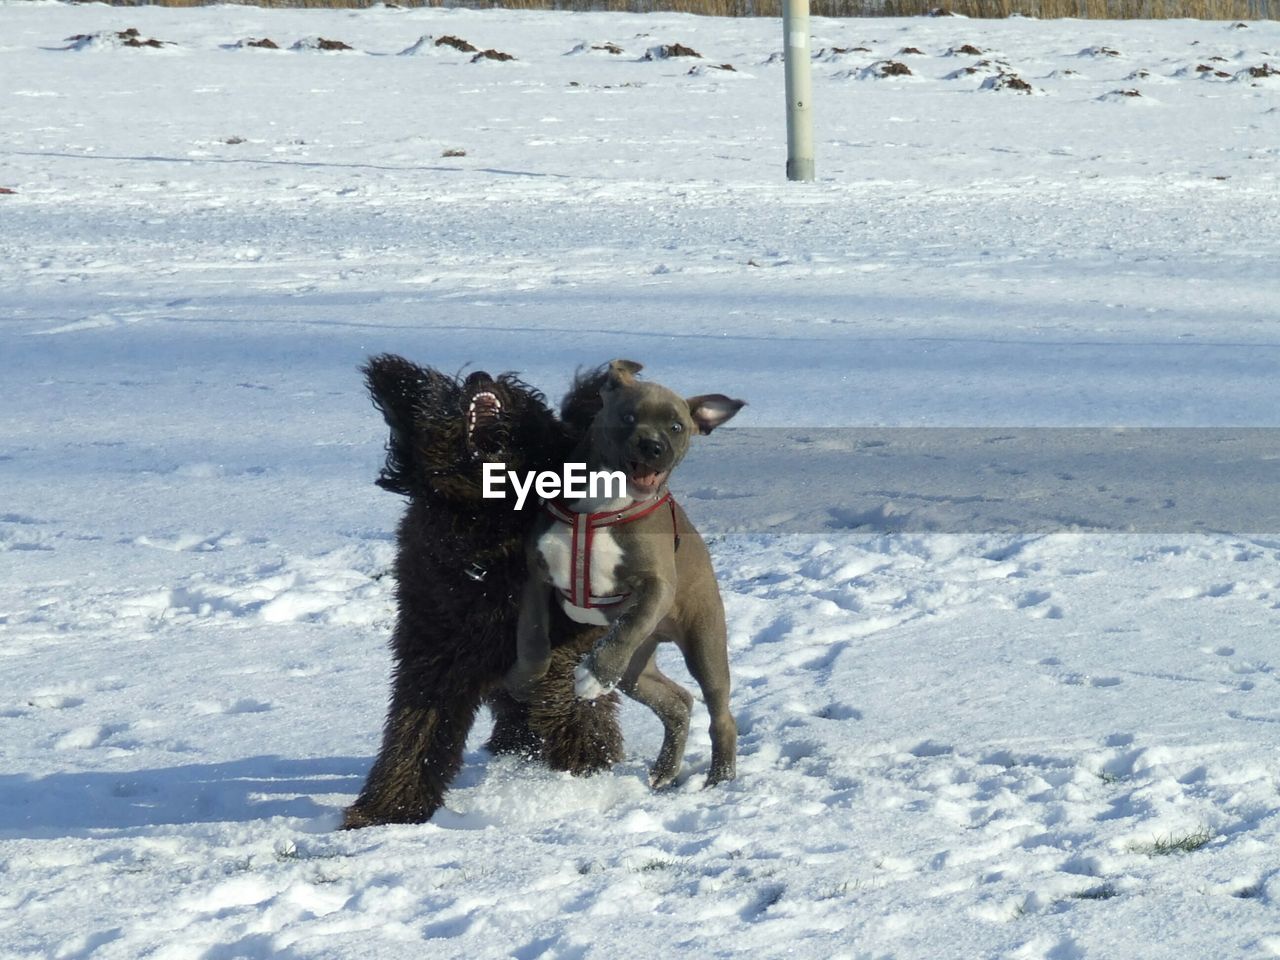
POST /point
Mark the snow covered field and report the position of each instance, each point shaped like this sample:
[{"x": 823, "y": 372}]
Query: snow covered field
[{"x": 976, "y": 743}]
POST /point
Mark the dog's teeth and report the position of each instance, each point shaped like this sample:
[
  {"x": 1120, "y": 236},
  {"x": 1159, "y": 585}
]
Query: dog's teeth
[{"x": 486, "y": 404}]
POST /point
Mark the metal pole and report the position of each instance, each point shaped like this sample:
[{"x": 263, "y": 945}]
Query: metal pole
[{"x": 795, "y": 34}]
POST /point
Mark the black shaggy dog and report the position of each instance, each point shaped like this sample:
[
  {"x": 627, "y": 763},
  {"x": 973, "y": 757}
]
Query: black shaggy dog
[{"x": 460, "y": 567}]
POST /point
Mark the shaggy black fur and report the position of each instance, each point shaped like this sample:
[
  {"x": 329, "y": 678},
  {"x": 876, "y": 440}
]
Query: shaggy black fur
[{"x": 460, "y": 566}]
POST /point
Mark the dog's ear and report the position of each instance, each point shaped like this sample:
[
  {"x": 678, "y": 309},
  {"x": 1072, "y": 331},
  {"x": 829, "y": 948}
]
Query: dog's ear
[
  {"x": 396, "y": 387},
  {"x": 583, "y": 401},
  {"x": 712, "y": 409},
  {"x": 622, "y": 373},
  {"x": 394, "y": 384}
]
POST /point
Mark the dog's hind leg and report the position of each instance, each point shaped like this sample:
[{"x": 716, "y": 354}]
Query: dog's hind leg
[
  {"x": 646, "y": 684},
  {"x": 707, "y": 657},
  {"x": 421, "y": 753}
]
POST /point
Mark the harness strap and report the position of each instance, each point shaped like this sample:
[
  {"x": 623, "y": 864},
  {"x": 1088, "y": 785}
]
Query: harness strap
[{"x": 582, "y": 537}]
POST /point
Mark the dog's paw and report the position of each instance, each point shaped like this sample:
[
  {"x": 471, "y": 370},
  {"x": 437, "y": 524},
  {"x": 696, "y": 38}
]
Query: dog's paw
[
  {"x": 353, "y": 818},
  {"x": 356, "y": 817},
  {"x": 720, "y": 774},
  {"x": 585, "y": 684},
  {"x": 661, "y": 780}
]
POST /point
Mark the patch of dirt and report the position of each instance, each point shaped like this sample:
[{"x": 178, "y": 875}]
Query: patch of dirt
[
  {"x": 129, "y": 37},
  {"x": 454, "y": 152},
  {"x": 1007, "y": 81},
  {"x": 6, "y": 192},
  {"x": 457, "y": 43},
  {"x": 911, "y": 52},
  {"x": 668, "y": 51},
  {"x": 826, "y": 54},
  {"x": 968, "y": 50},
  {"x": 891, "y": 68},
  {"x": 608, "y": 48},
  {"x": 1127, "y": 93},
  {"x": 233, "y": 141},
  {"x": 1098, "y": 52},
  {"x": 132, "y": 38},
  {"x": 265, "y": 43},
  {"x": 1266, "y": 70},
  {"x": 989, "y": 67},
  {"x": 491, "y": 54},
  {"x": 321, "y": 43}
]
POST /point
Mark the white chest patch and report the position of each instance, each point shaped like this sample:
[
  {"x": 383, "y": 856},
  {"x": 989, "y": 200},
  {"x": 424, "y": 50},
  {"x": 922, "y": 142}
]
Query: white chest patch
[{"x": 556, "y": 548}]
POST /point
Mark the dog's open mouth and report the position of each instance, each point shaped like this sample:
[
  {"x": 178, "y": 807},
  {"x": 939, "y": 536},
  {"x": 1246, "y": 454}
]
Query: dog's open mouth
[
  {"x": 645, "y": 479},
  {"x": 483, "y": 414}
]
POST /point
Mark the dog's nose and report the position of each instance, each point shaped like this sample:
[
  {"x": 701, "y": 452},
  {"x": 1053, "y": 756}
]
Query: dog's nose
[{"x": 649, "y": 447}]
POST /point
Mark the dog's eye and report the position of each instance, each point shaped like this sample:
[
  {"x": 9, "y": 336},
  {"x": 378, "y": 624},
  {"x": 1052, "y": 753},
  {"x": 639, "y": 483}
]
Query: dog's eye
[
  {"x": 629, "y": 419},
  {"x": 677, "y": 427}
]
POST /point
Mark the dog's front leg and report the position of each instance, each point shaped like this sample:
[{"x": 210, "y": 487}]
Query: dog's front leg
[
  {"x": 533, "y": 639},
  {"x": 602, "y": 668},
  {"x": 432, "y": 710}
]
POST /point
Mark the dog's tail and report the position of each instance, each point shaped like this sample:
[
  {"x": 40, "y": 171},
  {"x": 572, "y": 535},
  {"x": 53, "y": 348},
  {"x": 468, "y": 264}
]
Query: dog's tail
[{"x": 395, "y": 386}]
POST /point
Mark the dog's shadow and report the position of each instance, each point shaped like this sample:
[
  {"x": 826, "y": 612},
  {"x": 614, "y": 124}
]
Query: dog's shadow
[{"x": 255, "y": 788}]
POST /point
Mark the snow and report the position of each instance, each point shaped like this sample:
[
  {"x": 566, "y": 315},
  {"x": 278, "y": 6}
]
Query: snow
[{"x": 971, "y": 719}]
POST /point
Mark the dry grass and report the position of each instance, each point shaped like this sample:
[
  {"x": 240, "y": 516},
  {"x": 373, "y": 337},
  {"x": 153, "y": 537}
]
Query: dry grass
[
  {"x": 1167, "y": 845},
  {"x": 1041, "y": 9}
]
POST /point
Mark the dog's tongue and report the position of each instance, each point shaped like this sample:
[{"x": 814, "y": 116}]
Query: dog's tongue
[{"x": 646, "y": 480}]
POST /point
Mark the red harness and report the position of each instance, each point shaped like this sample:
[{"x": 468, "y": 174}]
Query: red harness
[{"x": 584, "y": 527}]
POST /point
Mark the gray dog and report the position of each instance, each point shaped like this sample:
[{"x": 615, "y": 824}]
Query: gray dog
[{"x": 638, "y": 565}]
